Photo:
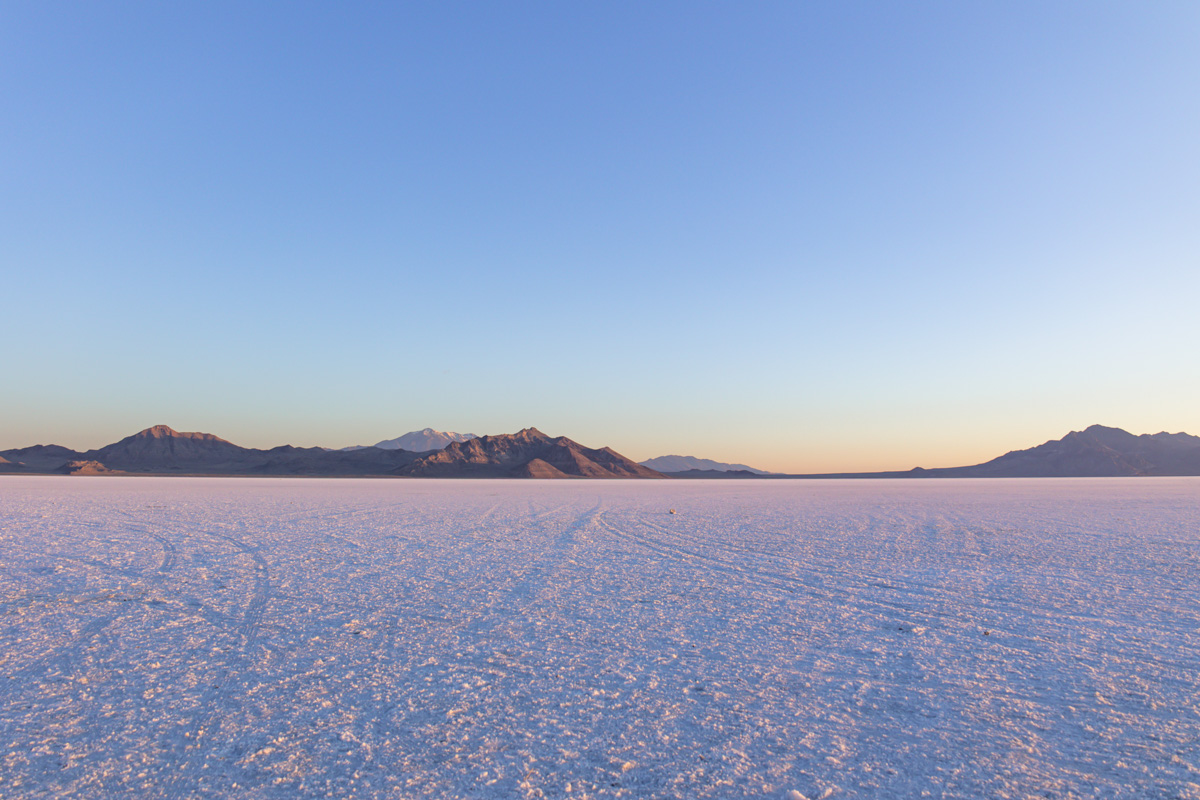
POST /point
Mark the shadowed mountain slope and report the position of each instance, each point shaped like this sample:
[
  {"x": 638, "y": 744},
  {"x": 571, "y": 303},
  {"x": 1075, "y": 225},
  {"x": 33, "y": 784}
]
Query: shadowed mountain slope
[
  {"x": 163, "y": 451},
  {"x": 1094, "y": 452},
  {"x": 526, "y": 454},
  {"x": 39, "y": 458},
  {"x": 717, "y": 474},
  {"x": 314, "y": 461}
]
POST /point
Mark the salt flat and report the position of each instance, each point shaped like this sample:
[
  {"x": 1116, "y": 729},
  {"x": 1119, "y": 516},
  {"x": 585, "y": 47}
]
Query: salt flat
[{"x": 278, "y": 638}]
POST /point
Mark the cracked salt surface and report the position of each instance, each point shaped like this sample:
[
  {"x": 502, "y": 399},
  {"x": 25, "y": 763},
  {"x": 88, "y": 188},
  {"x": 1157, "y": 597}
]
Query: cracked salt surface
[{"x": 284, "y": 638}]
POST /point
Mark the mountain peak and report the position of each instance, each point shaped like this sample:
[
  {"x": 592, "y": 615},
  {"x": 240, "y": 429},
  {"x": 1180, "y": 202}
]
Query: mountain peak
[
  {"x": 1109, "y": 437},
  {"x": 167, "y": 432},
  {"x": 423, "y": 440},
  {"x": 1095, "y": 451},
  {"x": 528, "y": 453},
  {"x": 157, "y": 432},
  {"x": 1093, "y": 429}
]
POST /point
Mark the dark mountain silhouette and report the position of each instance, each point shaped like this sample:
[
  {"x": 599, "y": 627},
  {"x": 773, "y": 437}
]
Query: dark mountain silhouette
[
  {"x": 526, "y": 454},
  {"x": 288, "y": 460},
  {"x": 723, "y": 474},
  {"x": 1095, "y": 452},
  {"x": 162, "y": 451},
  {"x": 39, "y": 458}
]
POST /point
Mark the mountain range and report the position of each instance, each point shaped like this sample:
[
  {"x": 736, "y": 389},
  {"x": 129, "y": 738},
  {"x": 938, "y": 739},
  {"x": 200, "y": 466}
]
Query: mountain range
[
  {"x": 526, "y": 454},
  {"x": 162, "y": 451},
  {"x": 1097, "y": 451}
]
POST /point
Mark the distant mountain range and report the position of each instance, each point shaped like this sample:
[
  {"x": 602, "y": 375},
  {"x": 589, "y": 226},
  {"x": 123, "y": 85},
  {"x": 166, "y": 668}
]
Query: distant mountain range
[
  {"x": 1095, "y": 452},
  {"x": 420, "y": 441},
  {"x": 163, "y": 451},
  {"x": 688, "y": 463}
]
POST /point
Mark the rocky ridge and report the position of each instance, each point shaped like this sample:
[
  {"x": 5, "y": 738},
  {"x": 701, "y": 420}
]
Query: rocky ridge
[
  {"x": 161, "y": 450},
  {"x": 529, "y": 453}
]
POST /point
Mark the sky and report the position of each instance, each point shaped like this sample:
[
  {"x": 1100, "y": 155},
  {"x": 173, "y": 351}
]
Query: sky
[{"x": 818, "y": 236}]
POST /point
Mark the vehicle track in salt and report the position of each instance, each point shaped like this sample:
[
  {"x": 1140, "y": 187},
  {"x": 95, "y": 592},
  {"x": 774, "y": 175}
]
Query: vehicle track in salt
[
  {"x": 534, "y": 577},
  {"x": 763, "y": 578},
  {"x": 62, "y": 656},
  {"x": 474, "y": 647},
  {"x": 898, "y": 676},
  {"x": 343, "y": 519},
  {"x": 230, "y": 677},
  {"x": 1009, "y": 645},
  {"x": 59, "y": 657},
  {"x": 63, "y": 662},
  {"x": 890, "y": 616},
  {"x": 522, "y": 584},
  {"x": 252, "y": 614},
  {"x": 856, "y": 590}
]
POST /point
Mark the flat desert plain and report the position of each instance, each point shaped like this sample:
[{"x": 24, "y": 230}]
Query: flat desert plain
[{"x": 282, "y": 638}]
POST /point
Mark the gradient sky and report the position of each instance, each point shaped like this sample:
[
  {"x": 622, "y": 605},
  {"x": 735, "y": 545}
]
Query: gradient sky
[{"x": 804, "y": 236}]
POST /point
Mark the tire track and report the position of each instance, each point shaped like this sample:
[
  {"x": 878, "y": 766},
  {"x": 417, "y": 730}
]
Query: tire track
[
  {"x": 58, "y": 655},
  {"x": 856, "y": 594},
  {"x": 67, "y": 654},
  {"x": 525, "y": 589},
  {"x": 886, "y": 613},
  {"x": 222, "y": 690},
  {"x": 260, "y": 596}
]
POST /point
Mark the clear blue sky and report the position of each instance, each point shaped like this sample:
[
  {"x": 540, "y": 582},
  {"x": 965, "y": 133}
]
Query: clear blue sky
[{"x": 804, "y": 236}]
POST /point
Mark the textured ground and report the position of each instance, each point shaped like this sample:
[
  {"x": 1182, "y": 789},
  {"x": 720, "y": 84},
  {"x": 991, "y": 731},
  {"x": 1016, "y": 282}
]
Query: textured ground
[{"x": 282, "y": 638}]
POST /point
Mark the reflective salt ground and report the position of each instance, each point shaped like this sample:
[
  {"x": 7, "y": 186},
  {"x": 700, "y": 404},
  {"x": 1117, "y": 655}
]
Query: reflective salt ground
[{"x": 283, "y": 638}]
